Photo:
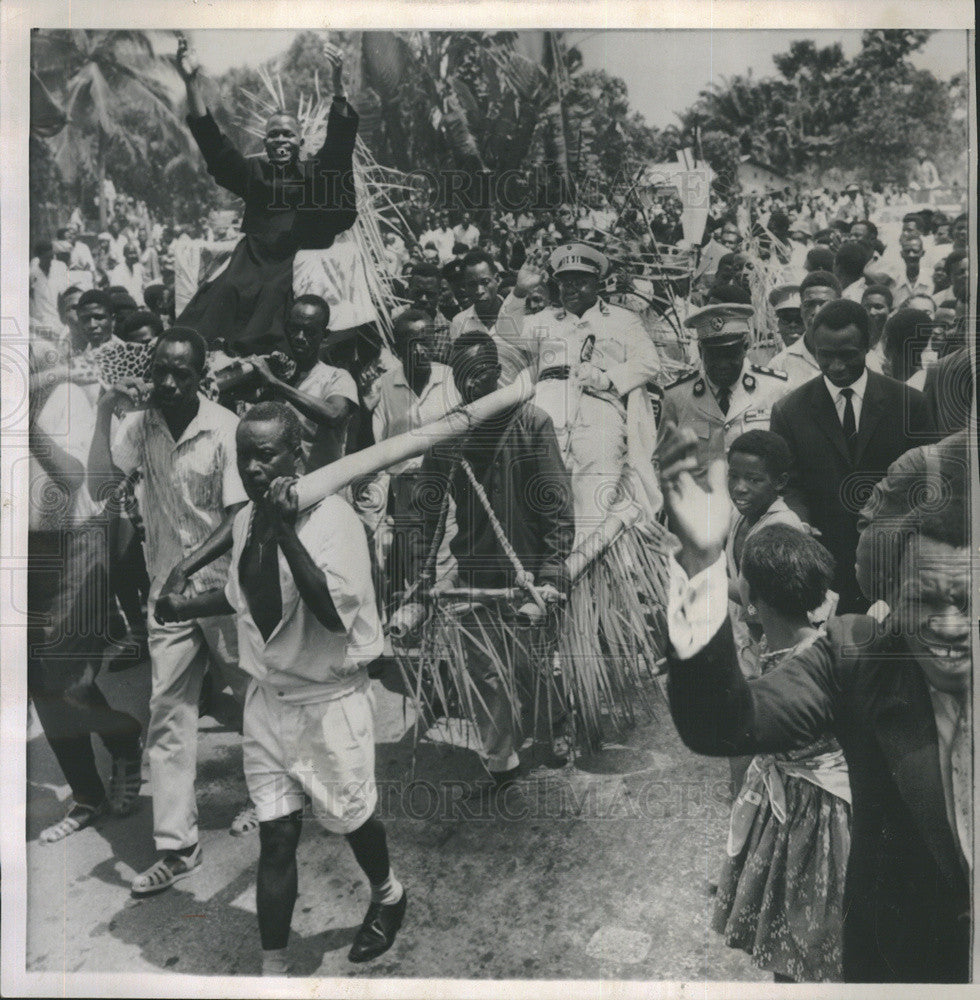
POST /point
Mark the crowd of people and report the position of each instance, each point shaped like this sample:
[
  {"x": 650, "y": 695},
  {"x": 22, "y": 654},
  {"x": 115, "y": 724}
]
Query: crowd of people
[{"x": 808, "y": 358}]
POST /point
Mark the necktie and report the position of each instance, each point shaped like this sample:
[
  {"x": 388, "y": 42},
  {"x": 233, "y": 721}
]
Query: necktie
[
  {"x": 724, "y": 398},
  {"x": 848, "y": 422},
  {"x": 259, "y": 578},
  {"x": 961, "y": 771}
]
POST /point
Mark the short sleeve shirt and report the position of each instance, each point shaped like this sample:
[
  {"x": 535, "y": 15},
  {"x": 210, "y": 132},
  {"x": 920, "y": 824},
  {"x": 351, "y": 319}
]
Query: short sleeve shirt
[
  {"x": 187, "y": 485},
  {"x": 322, "y": 382},
  {"x": 302, "y": 659}
]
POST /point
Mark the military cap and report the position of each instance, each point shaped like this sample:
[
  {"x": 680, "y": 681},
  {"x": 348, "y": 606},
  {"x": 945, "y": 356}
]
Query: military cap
[
  {"x": 785, "y": 297},
  {"x": 724, "y": 323},
  {"x": 852, "y": 187},
  {"x": 579, "y": 257}
]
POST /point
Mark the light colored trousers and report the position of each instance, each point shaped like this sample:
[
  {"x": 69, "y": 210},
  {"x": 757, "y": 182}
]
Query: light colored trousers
[{"x": 179, "y": 654}]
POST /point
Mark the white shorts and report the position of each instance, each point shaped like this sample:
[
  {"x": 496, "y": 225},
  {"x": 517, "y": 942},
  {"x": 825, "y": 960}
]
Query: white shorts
[{"x": 324, "y": 750}]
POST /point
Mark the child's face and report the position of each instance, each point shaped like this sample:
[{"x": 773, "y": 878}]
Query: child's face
[{"x": 750, "y": 484}]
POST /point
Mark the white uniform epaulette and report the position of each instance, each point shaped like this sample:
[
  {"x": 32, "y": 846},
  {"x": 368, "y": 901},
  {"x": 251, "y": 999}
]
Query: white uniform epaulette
[{"x": 774, "y": 372}]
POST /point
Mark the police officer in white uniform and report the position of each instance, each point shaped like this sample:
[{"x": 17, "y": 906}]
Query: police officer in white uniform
[
  {"x": 588, "y": 356},
  {"x": 797, "y": 360},
  {"x": 727, "y": 395}
]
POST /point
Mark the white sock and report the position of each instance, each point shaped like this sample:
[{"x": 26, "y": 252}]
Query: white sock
[
  {"x": 390, "y": 891},
  {"x": 274, "y": 962}
]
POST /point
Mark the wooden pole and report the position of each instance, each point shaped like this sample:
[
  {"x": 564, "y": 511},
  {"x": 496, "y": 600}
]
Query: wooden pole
[{"x": 314, "y": 486}]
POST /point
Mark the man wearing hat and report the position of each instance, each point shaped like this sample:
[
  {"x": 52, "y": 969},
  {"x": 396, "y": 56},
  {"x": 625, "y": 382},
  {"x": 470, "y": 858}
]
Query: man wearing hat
[
  {"x": 796, "y": 359},
  {"x": 589, "y": 355},
  {"x": 785, "y": 300},
  {"x": 727, "y": 395}
]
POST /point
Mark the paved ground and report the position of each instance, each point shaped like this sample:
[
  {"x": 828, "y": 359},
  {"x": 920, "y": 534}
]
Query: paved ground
[{"x": 600, "y": 873}]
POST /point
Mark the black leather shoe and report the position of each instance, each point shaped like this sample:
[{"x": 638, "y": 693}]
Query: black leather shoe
[{"x": 377, "y": 933}]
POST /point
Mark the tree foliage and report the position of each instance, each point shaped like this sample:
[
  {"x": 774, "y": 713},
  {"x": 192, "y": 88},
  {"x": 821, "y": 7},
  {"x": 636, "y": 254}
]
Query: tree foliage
[
  {"x": 864, "y": 117},
  {"x": 105, "y": 77},
  {"x": 492, "y": 102}
]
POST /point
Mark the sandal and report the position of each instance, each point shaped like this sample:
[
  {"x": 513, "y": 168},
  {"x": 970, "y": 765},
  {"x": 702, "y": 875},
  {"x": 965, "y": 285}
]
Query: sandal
[
  {"x": 79, "y": 817},
  {"x": 246, "y": 822},
  {"x": 169, "y": 869},
  {"x": 125, "y": 784}
]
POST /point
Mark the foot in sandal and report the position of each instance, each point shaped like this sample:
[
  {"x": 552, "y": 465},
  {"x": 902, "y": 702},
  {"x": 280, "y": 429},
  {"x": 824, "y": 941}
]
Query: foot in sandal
[
  {"x": 246, "y": 822},
  {"x": 79, "y": 816},
  {"x": 171, "y": 868}
]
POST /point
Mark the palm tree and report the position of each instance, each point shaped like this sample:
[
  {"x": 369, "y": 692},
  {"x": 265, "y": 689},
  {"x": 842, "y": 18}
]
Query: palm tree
[{"x": 102, "y": 74}]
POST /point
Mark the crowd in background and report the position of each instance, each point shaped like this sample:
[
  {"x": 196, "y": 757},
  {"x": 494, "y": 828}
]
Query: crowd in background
[{"x": 809, "y": 289}]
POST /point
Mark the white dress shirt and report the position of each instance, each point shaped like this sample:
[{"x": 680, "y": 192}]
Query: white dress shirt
[{"x": 859, "y": 387}]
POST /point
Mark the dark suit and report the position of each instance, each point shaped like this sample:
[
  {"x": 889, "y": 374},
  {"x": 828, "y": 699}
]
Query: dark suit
[
  {"x": 301, "y": 206},
  {"x": 827, "y": 486},
  {"x": 907, "y": 894}
]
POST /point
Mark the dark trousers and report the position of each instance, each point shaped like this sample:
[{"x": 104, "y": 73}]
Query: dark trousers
[
  {"x": 68, "y": 599},
  {"x": 130, "y": 581},
  {"x": 407, "y": 554}
]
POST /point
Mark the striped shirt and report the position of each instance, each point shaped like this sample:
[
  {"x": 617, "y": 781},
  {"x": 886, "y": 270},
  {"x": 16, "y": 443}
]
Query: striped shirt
[{"x": 186, "y": 485}]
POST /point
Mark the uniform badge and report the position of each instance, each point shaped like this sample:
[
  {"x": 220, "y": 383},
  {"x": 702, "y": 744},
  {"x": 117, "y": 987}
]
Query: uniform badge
[
  {"x": 717, "y": 322},
  {"x": 698, "y": 387},
  {"x": 749, "y": 382}
]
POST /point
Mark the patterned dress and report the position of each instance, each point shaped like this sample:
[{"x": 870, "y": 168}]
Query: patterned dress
[{"x": 781, "y": 892}]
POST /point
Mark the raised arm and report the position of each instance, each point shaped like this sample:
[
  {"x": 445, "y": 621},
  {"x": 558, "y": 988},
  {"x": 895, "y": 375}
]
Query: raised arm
[
  {"x": 61, "y": 466},
  {"x": 716, "y": 710},
  {"x": 330, "y": 412},
  {"x": 311, "y": 581},
  {"x": 512, "y": 318},
  {"x": 189, "y": 69},
  {"x": 225, "y": 163},
  {"x": 104, "y": 473},
  {"x": 343, "y": 119},
  {"x": 334, "y": 189}
]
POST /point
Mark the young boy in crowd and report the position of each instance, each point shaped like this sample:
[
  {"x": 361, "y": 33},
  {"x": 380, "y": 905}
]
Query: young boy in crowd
[{"x": 758, "y": 471}]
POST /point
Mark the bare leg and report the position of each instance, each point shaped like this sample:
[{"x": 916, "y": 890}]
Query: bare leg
[{"x": 276, "y": 886}]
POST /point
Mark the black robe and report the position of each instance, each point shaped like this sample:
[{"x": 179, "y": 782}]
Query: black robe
[{"x": 302, "y": 206}]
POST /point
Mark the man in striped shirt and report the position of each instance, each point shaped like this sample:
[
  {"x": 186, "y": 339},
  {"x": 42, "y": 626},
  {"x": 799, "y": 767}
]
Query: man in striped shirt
[{"x": 184, "y": 447}]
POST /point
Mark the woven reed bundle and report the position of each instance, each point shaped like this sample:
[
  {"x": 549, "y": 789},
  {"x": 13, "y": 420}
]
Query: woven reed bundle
[{"x": 590, "y": 665}]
